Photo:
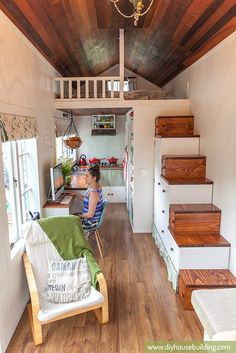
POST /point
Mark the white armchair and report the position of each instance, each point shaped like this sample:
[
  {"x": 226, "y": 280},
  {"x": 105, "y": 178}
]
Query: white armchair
[{"x": 39, "y": 249}]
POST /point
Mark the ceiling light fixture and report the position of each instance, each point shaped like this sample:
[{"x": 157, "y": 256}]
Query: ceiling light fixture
[{"x": 137, "y": 11}]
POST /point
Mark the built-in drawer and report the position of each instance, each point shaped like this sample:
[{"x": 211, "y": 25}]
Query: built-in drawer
[
  {"x": 186, "y": 193},
  {"x": 172, "y": 249},
  {"x": 204, "y": 257}
]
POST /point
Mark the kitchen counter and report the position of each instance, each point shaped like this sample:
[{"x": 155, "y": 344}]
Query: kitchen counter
[{"x": 113, "y": 167}]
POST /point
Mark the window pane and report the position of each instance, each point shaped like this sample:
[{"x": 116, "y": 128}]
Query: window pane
[
  {"x": 62, "y": 151},
  {"x": 10, "y": 186},
  {"x": 25, "y": 166},
  {"x": 59, "y": 153}
]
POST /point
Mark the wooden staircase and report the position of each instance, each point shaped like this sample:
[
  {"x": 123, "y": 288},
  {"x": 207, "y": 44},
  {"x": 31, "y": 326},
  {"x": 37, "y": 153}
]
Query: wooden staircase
[{"x": 191, "y": 225}]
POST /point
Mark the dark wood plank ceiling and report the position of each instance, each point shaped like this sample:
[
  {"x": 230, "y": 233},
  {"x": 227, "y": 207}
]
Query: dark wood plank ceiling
[{"x": 80, "y": 37}]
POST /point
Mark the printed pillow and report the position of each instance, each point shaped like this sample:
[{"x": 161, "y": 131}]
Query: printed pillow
[{"x": 68, "y": 281}]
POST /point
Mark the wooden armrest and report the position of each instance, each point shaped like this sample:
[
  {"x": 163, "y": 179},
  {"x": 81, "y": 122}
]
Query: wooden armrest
[
  {"x": 102, "y": 285},
  {"x": 32, "y": 284}
]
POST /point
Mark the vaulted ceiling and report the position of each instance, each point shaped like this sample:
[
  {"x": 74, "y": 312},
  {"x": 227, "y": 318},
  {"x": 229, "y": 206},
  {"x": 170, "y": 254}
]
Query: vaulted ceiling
[{"x": 80, "y": 37}]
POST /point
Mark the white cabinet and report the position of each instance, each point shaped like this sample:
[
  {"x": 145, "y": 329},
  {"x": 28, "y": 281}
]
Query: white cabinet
[
  {"x": 113, "y": 185},
  {"x": 114, "y": 194}
]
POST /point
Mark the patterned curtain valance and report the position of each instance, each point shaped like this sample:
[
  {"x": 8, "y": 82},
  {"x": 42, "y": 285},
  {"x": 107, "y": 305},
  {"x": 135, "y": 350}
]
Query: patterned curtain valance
[
  {"x": 16, "y": 127},
  {"x": 60, "y": 129}
]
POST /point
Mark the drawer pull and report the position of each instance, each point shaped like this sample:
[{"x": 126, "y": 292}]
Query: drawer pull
[
  {"x": 162, "y": 231},
  {"x": 163, "y": 211},
  {"x": 173, "y": 221},
  {"x": 163, "y": 190},
  {"x": 158, "y": 183},
  {"x": 171, "y": 249}
]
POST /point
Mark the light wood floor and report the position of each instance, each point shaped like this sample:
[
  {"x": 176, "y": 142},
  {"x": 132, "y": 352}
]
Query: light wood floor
[{"x": 142, "y": 304}]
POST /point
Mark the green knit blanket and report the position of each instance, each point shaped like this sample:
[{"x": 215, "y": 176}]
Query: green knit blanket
[{"x": 66, "y": 234}]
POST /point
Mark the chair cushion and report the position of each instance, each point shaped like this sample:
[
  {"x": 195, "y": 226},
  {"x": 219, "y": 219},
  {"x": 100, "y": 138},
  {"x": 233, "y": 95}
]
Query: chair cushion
[
  {"x": 51, "y": 310},
  {"x": 68, "y": 281},
  {"x": 216, "y": 310}
]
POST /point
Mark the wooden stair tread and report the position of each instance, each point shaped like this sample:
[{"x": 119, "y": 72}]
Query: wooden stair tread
[
  {"x": 183, "y": 156},
  {"x": 195, "y": 208},
  {"x": 199, "y": 240},
  {"x": 208, "y": 278},
  {"x": 178, "y": 181},
  {"x": 178, "y": 136}
]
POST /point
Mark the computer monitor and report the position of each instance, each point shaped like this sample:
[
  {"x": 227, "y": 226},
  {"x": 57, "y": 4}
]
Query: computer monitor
[{"x": 57, "y": 181}]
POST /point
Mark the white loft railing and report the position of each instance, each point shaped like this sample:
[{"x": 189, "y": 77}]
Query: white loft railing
[{"x": 87, "y": 88}]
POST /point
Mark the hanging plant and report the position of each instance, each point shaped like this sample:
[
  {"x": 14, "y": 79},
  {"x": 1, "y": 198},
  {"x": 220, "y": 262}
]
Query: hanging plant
[{"x": 71, "y": 137}]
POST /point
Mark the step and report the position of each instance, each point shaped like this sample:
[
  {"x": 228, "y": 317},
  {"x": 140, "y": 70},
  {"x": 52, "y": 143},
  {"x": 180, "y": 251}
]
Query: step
[
  {"x": 186, "y": 219},
  {"x": 179, "y": 181},
  {"x": 190, "y": 280},
  {"x": 184, "y": 167},
  {"x": 174, "y": 125},
  {"x": 179, "y": 136},
  {"x": 199, "y": 240}
]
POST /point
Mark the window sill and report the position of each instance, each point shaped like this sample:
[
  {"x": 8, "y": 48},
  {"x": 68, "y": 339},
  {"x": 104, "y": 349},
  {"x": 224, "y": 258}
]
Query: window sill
[{"x": 18, "y": 249}]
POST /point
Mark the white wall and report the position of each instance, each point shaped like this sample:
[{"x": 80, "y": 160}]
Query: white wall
[
  {"x": 142, "y": 83},
  {"x": 101, "y": 146},
  {"x": 210, "y": 85},
  {"x": 25, "y": 89}
]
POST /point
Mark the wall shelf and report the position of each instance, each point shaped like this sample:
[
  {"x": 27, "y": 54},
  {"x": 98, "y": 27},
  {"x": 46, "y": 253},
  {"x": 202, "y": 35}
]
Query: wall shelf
[{"x": 103, "y": 124}]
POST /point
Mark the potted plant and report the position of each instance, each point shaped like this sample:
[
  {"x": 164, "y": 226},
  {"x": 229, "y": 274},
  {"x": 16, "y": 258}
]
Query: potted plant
[{"x": 67, "y": 165}]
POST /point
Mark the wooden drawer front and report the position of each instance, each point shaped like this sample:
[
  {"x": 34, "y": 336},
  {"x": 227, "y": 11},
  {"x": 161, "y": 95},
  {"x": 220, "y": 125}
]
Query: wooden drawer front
[
  {"x": 190, "y": 223},
  {"x": 183, "y": 168},
  {"x": 185, "y": 294},
  {"x": 204, "y": 257},
  {"x": 174, "y": 126}
]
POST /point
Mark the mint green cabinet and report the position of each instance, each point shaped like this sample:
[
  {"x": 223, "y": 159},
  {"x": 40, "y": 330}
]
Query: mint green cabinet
[{"x": 112, "y": 177}]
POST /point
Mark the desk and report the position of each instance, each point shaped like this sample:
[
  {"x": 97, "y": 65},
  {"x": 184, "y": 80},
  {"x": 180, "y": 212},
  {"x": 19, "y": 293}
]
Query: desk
[{"x": 54, "y": 208}]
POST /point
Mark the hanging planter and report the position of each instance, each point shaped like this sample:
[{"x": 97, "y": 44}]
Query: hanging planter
[{"x": 71, "y": 137}]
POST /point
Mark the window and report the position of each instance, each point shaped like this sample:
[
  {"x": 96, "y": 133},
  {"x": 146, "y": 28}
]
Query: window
[
  {"x": 21, "y": 184},
  {"x": 129, "y": 84},
  {"x": 62, "y": 151}
]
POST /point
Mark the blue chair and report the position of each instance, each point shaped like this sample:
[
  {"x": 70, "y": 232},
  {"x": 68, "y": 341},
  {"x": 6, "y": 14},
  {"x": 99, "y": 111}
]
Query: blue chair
[{"x": 95, "y": 231}]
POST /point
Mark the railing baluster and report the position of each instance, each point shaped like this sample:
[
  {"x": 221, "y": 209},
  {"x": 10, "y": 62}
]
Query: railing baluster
[
  {"x": 103, "y": 88},
  {"x": 61, "y": 89},
  {"x": 70, "y": 89},
  {"x": 78, "y": 89},
  {"x": 95, "y": 88},
  {"x": 112, "y": 88},
  {"x": 86, "y": 89}
]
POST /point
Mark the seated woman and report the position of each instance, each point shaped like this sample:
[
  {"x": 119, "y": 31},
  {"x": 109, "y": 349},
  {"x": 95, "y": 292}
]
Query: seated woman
[{"x": 93, "y": 199}]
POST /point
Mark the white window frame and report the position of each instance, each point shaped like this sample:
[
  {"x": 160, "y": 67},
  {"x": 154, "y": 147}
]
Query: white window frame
[
  {"x": 116, "y": 86},
  {"x": 16, "y": 177}
]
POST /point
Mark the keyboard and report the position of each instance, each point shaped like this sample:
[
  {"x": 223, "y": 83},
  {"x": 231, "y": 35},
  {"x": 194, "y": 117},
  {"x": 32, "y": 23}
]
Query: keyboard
[{"x": 66, "y": 200}]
